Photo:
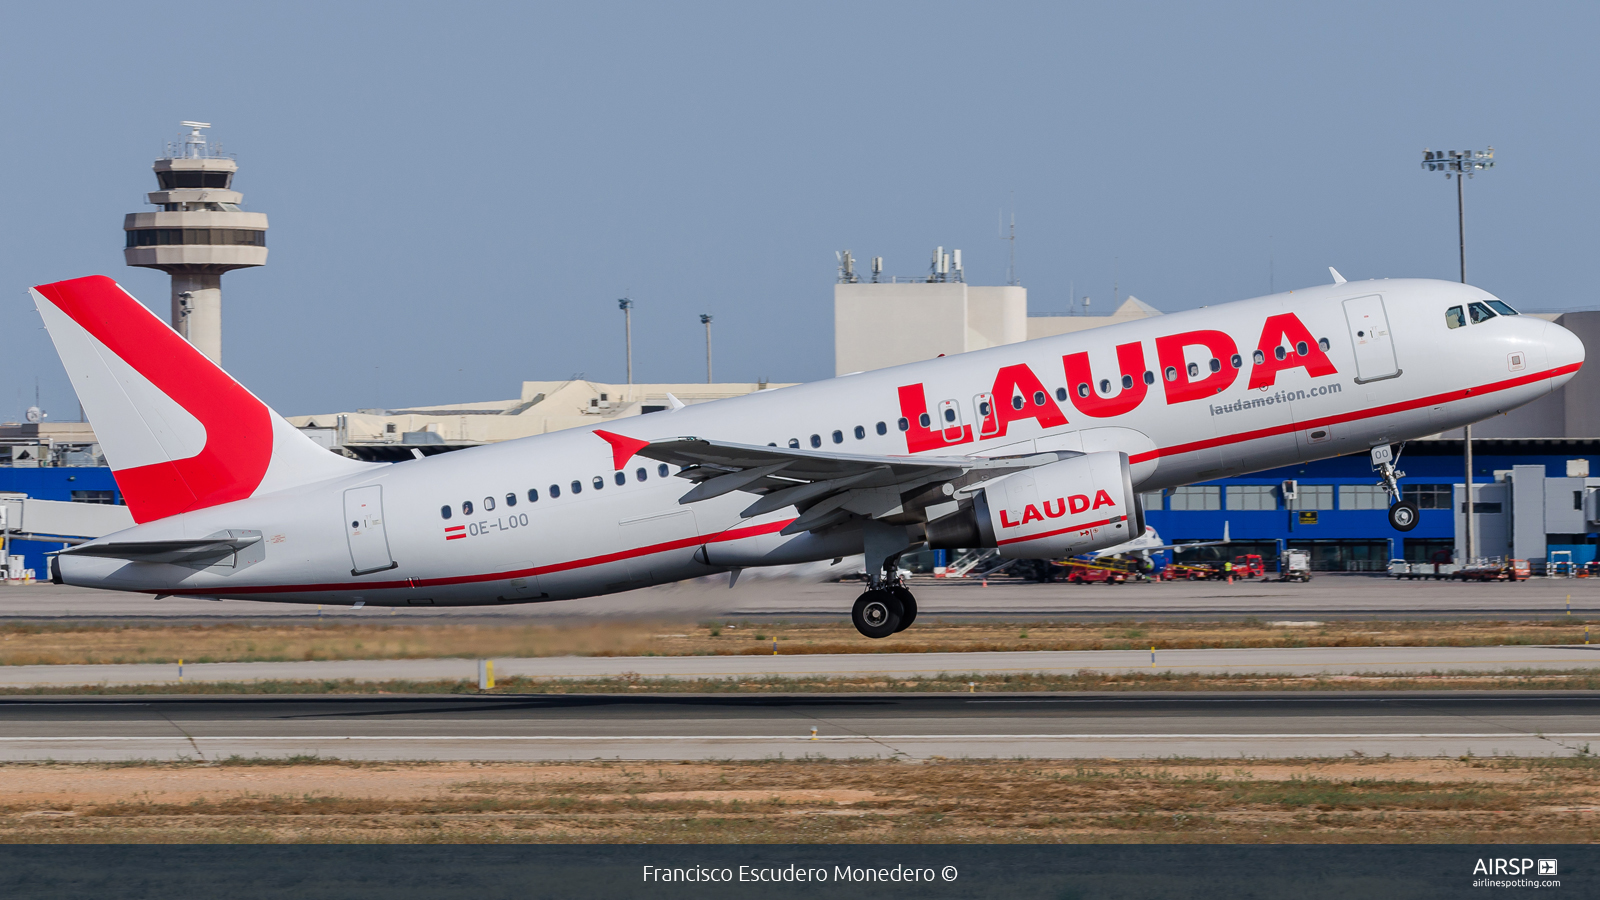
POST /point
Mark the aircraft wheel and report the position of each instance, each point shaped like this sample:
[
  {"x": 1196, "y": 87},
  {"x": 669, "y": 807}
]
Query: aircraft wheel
[
  {"x": 876, "y": 614},
  {"x": 908, "y": 607},
  {"x": 1403, "y": 515}
]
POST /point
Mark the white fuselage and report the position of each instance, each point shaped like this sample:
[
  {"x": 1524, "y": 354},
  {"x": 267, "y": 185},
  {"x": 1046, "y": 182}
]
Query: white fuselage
[{"x": 615, "y": 537}]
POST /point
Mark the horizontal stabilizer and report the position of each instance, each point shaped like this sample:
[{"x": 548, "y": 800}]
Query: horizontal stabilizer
[{"x": 189, "y": 550}]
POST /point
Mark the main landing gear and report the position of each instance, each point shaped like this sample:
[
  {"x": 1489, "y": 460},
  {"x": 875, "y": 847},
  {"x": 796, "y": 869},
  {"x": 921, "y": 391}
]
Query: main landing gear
[
  {"x": 887, "y": 606},
  {"x": 880, "y": 612},
  {"x": 1402, "y": 513}
]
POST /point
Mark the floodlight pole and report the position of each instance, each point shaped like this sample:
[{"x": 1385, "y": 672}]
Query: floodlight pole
[
  {"x": 626, "y": 306},
  {"x": 1461, "y": 164},
  {"x": 706, "y": 321}
]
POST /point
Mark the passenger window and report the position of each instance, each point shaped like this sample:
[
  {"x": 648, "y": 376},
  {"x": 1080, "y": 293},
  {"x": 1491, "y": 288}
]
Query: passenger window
[
  {"x": 1194, "y": 370},
  {"x": 1127, "y": 382},
  {"x": 1016, "y": 402},
  {"x": 1061, "y": 394},
  {"x": 904, "y": 424},
  {"x": 1083, "y": 390},
  {"x": 577, "y": 486},
  {"x": 816, "y": 441},
  {"x": 794, "y": 443},
  {"x": 598, "y": 482},
  {"x": 1215, "y": 364},
  {"x": 1038, "y": 398},
  {"x": 1501, "y": 308},
  {"x": 466, "y": 507},
  {"x": 622, "y": 478},
  {"x": 1258, "y": 357},
  {"x": 533, "y": 494},
  {"x": 488, "y": 504},
  {"x": 662, "y": 470},
  {"x": 444, "y": 511},
  {"x": 838, "y": 437},
  {"x": 641, "y": 474},
  {"x": 1149, "y": 377},
  {"x": 883, "y": 428},
  {"x": 1323, "y": 343},
  {"x": 555, "y": 490},
  {"x": 511, "y": 499},
  {"x": 1172, "y": 373},
  {"x": 1302, "y": 350},
  {"x": 925, "y": 420},
  {"x": 1105, "y": 385},
  {"x": 1479, "y": 312},
  {"x": 1453, "y": 317},
  {"x": 1279, "y": 352},
  {"x": 861, "y": 433}
]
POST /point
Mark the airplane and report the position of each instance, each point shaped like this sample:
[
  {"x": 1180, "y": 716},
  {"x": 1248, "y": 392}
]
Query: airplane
[
  {"x": 1039, "y": 449},
  {"x": 1150, "y": 542}
]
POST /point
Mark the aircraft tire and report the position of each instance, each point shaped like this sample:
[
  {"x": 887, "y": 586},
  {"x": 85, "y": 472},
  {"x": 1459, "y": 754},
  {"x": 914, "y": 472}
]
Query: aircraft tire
[
  {"x": 1403, "y": 516},
  {"x": 876, "y": 614},
  {"x": 908, "y": 607}
]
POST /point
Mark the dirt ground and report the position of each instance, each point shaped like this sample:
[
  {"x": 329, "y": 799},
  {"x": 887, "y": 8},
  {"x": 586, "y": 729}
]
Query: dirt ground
[
  {"x": 805, "y": 801},
  {"x": 52, "y": 644}
]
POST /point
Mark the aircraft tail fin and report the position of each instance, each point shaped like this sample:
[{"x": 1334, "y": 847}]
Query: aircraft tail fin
[{"x": 178, "y": 432}]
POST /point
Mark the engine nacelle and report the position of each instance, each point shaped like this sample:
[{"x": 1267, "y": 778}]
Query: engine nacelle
[{"x": 1074, "y": 506}]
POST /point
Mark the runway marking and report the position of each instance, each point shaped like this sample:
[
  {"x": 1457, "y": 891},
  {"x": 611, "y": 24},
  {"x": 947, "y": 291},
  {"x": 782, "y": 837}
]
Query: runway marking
[{"x": 822, "y": 738}]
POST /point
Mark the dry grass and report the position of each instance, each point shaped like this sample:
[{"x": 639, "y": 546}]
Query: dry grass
[
  {"x": 1082, "y": 681},
  {"x": 807, "y": 801},
  {"x": 27, "y": 644}
]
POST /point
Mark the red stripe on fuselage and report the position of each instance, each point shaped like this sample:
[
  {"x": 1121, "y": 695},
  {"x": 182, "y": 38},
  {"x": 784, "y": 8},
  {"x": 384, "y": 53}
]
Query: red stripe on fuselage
[
  {"x": 732, "y": 534},
  {"x": 1045, "y": 534},
  {"x": 1403, "y": 406}
]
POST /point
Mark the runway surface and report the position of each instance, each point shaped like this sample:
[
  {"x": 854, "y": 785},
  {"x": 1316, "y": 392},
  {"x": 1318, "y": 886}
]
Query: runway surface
[
  {"x": 1338, "y": 596},
  {"x": 1266, "y": 661},
  {"x": 688, "y": 727}
]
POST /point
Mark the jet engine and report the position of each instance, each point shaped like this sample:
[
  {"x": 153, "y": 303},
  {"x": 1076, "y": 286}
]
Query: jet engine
[{"x": 1069, "y": 507}]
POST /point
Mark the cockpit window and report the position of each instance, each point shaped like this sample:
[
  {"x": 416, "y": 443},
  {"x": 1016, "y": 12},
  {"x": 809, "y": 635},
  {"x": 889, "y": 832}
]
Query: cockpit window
[
  {"x": 1479, "y": 312},
  {"x": 1454, "y": 318},
  {"x": 1501, "y": 308}
]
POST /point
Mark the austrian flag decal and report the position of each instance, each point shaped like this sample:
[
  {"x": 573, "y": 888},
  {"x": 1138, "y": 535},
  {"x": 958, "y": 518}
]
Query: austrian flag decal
[{"x": 455, "y": 532}]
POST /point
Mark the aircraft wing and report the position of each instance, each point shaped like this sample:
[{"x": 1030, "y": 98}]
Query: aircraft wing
[{"x": 826, "y": 487}]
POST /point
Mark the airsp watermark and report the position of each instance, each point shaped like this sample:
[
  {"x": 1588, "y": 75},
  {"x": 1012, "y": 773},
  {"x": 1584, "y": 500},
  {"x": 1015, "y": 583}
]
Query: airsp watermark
[{"x": 1514, "y": 872}]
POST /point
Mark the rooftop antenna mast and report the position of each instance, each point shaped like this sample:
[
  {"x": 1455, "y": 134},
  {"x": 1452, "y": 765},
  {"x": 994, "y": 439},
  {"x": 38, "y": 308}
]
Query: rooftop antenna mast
[{"x": 1011, "y": 265}]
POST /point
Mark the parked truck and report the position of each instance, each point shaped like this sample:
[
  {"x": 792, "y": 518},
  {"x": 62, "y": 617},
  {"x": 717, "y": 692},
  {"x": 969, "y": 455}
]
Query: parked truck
[{"x": 1295, "y": 565}]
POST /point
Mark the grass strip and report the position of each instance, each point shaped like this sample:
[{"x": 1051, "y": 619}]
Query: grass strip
[
  {"x": 1521, "y": 679},
  {"x": 380, "y": 637}
]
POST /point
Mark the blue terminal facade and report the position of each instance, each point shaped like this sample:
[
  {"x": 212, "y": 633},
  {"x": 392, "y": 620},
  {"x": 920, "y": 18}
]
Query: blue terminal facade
[
  {"x": 84, "y": 484},
  {"x": 1339, "y": 514}
]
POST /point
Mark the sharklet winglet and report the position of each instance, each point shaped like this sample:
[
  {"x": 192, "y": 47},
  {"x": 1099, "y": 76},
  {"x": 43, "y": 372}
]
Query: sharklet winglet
[{"x": 622, "y": 447}]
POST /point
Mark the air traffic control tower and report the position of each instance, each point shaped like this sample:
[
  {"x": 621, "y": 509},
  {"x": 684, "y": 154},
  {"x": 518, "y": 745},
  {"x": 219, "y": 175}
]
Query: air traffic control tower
[{"x": 198, "y": 233}]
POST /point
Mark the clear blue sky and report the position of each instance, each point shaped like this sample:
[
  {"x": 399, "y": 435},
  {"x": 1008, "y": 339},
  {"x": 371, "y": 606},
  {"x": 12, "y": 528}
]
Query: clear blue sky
[{"x": 460, "y": 192}]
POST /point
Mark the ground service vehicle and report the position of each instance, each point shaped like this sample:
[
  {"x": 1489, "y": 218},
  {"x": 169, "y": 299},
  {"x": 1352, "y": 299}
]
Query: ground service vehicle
[{"x": 1295, "y": 565}]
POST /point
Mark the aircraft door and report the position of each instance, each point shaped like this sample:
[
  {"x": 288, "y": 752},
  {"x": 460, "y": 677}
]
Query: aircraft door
[
  {"x": 988, "y": 419},
  {"x": 369, "y": 541},
  {"x": 1369, "y": 335},
  {"x": 950, "y": 421}
]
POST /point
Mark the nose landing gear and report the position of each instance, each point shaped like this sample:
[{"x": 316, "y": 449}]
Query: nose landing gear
[{"x": 1403, "y": 514}]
